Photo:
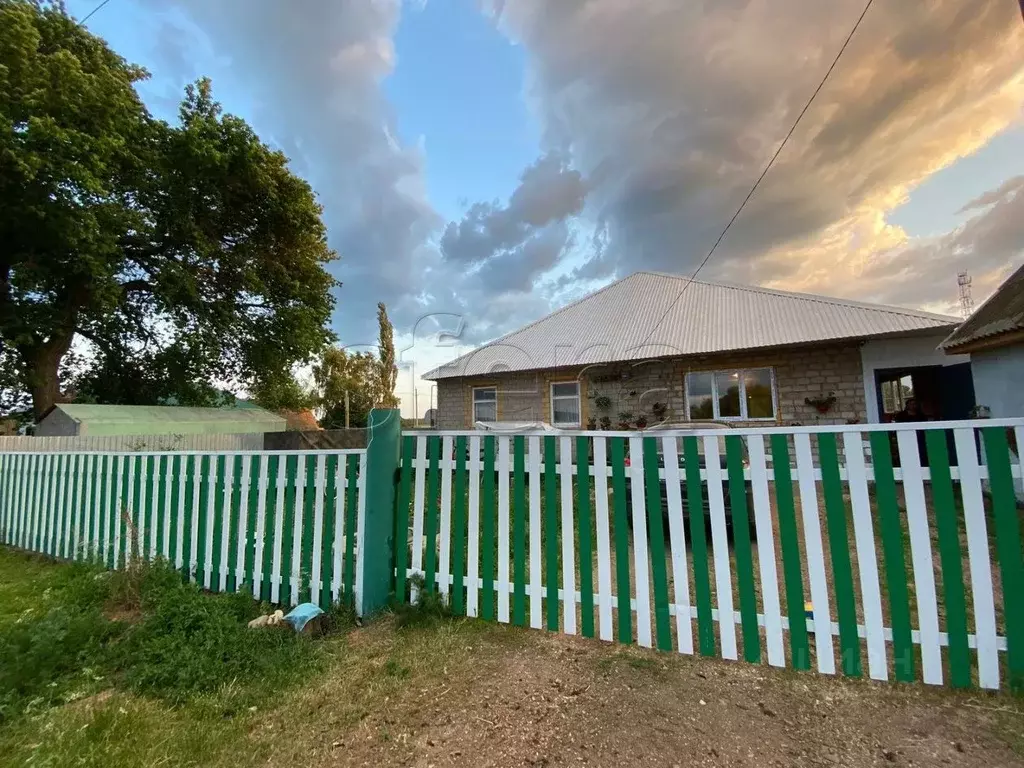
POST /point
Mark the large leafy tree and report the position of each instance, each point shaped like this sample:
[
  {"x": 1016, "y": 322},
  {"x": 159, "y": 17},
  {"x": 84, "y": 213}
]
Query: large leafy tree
[{"x": 185, "y": 254}]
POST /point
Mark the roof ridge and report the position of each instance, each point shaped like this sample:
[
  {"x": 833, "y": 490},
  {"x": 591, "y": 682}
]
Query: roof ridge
[
  {"x": 539, "y": 320},
  {"x": 877, "y": 307}
]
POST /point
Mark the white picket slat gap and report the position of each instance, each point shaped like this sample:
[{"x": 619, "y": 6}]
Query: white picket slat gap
[
  {"x": 640, "y": 559},
  {"x": 164, "y": 468},
  {"x": 315, "y": 580},
  {"x": 297, "y": 527},
  {"x": 720, "y": 544},
  {"x": 419, "y": 494},
  {"x": 568, "y": 541},
  {"x": 109, "y": 542},
  {"x": 764, "y": 527},
  {"x": 444, "y": 561},
  {"x": 677, "y": 541},
  {"x": 867, "y": 557},
  {"x": 243, "y": 522},
  {"x": 503, "y": 513},
  {"x": 180, "y": 554},
  {"x": 921, "y": 557},
  {"x": 120, "y": 462},
  {"x": 815, "y": 554},
  {"x": 341, "y": 483},
  {"x": 473, "y": 524},
  {"x": 978, "y": 553},
  {"x": 604, "y": 556}
]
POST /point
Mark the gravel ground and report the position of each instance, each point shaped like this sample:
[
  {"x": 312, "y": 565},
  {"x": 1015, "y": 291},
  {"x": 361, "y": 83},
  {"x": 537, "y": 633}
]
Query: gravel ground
[{"x": 514, "y": 698}]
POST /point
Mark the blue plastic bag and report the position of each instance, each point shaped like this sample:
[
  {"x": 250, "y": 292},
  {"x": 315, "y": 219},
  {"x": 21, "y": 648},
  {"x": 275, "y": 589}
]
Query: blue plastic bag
[{"x": 301, "y": 615}]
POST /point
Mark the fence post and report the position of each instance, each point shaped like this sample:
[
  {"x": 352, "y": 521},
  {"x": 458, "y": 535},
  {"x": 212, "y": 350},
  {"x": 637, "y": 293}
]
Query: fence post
[{"x": 378, "y": 526}]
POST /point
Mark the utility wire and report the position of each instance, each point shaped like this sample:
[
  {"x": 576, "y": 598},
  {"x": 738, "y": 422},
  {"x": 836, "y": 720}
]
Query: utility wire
[
  {"x": 764, "y": 173},
  {"x": 92, "y": 13}
]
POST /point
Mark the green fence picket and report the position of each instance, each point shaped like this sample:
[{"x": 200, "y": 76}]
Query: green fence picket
[
  {"x": 584, "y": 527},
  {"x": 893, "y": 550},
  {"x": 402, "y": 518},
  {"x": 551, "y": 576},
  {"x": 742, "y": 548},
  {"x": 656, "y": 544},
  {"x": 1008, "y": 549},
  {"x": 459, "y": 529},
  {"x": 351, "y": 510},
  {"x": 270, "y": 526},
  {"x": 519, "y": 530},
  {"x": 791, "y": 559},
  {"x": 617, "y": 450},
  {"x": 487, "y": 505},
  {"x": 951, "y": 558},
  {"x": 839, "y": 548},
  {"x": 430, "y": 514},
  {"x": 699, "y": 546}
]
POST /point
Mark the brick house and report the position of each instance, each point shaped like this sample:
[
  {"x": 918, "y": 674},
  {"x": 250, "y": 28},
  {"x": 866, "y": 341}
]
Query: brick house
[{"x": 653, "y": 347}]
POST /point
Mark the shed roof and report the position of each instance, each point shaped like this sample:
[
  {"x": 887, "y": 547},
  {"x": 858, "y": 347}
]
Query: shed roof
[
  {"x": 1002, "y": 312},
  {"x": 649, "y": 314},
  {"x": 176, "y": 414}
]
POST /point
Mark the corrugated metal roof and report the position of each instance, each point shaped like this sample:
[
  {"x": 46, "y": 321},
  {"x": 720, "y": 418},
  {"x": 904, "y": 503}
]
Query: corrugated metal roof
[
  {"x": 1001, "y": 313},
  {"x": 649, "y": 315},
  {"x": 121, "y": 414}
]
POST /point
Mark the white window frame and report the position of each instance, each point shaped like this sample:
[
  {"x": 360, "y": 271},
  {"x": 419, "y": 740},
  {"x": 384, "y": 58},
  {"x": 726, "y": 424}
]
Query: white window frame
[
  {"x": 473, "y": 405},
  {"x": 551, "y": 403},
  {"x": 743, "y": 394}
]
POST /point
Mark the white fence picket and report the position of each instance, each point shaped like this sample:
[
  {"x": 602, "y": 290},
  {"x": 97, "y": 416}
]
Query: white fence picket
[
  {"x": 641, "y": 564},
  {"x": 419, "y": 495},
  {"x": 297, "y": 528},
  {"x": 315, "y": 580},
  {"x": 444, "y": 561},
  {"x": 275, "y": 572},
  {"x": 921, "y": 557},
  {"x": 503, "y": 518},
  {"x": 340, "y": 527},
  {"x": 766, "y": 550},
  {"x": 867, "y": 558},
  {"x": 978, "y": 552},
  {"x": 720, "y": 543},
  {"x": 225, "y": 523},
  {"x": 604, "y": 555},
  {"x": 677, "y": 543},
  {"x": 814, "y": 552}
]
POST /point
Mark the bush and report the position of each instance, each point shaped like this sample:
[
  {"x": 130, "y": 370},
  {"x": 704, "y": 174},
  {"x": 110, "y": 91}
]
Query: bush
[
  {"x": 178, "y": 642},
  {"x": 42, "y": 658}
]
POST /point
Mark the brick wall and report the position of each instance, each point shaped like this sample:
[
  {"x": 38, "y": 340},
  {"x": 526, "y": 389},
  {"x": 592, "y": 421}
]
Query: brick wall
[{"x": 805, "y": 372}]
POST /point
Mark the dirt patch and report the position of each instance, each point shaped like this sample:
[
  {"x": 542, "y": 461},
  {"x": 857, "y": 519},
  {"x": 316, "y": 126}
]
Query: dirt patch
[
  {"x": 89, "y": 703},
  {"x": 551, "y": 700}
]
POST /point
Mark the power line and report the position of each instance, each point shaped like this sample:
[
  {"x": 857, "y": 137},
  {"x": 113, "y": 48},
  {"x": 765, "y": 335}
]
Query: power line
[
  {"x": 764, "y": 173},
  {"x": 93, "y": 12}
]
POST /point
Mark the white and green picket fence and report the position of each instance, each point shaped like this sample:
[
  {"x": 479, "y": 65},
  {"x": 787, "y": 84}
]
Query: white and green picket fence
[
  {"x": 894, "y": 545},
  {"x": 284, "y": 524}
]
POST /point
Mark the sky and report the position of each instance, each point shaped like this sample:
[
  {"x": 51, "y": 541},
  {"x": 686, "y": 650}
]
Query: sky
[{"x": 482, "y": 162}]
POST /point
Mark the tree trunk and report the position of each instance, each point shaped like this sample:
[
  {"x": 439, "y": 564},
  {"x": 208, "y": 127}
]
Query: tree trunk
[{"x": 43, "y": 363}]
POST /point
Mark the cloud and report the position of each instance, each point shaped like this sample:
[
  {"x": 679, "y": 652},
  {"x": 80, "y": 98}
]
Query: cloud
[
  {"x": 313, "y": 76},
  {"x": 671, "y": 110}
]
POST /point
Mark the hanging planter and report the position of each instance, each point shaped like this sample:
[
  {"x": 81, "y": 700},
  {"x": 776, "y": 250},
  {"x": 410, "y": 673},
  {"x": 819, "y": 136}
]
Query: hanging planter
[{"x": 823, "y": 403}]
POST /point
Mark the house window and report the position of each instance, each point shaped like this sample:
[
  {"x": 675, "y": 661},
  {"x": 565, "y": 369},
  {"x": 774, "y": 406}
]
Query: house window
[
  {"x": 731, "y": 395},
  {"x": 485, "y": 404},
  {"x": 565, "y": 404}
]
